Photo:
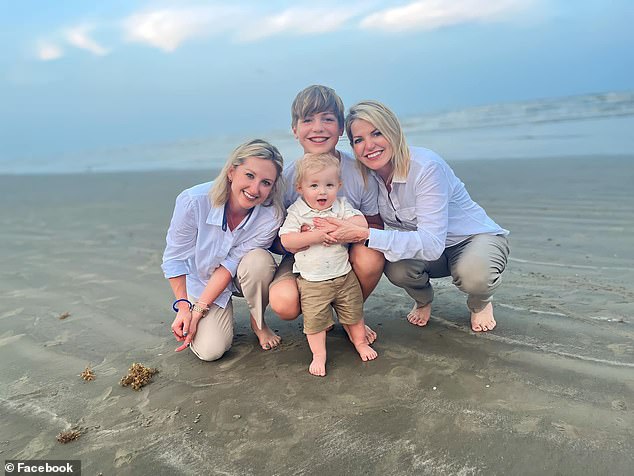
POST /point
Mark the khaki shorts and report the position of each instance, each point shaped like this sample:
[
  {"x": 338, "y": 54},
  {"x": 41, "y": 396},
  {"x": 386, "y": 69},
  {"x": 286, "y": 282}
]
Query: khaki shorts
[{"x": 317, "y": 297}]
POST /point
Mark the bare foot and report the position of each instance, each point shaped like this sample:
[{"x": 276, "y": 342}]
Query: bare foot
[
  {"x": 370, "y": 335},
  {"x": 268, "y": 339},
  {"x": 318, "y": 365},
  {"x": 366, "y": 352},
  {"x": 419, "y": 316},
  {"x": 483, "y": 321}
]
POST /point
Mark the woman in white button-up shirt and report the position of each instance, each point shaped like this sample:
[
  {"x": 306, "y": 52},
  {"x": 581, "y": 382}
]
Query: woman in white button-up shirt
[
  {"x": 217, "y": 246},
  {"x": 433, "y": 227}
]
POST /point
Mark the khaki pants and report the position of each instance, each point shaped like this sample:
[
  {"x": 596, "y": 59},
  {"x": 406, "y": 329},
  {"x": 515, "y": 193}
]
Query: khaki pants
[
  {"x": 215, "y": 331},
  {"x": 476, "y": 266}
]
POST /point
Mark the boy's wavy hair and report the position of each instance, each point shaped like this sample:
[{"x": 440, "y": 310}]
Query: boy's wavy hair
[
  {"x": 221, "y": 188},
  {"x": 316, "y": 99},
  {"x": 384, "y": 120}
]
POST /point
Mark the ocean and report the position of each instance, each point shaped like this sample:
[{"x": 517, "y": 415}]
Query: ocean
[{"x": 599, "y": 124}]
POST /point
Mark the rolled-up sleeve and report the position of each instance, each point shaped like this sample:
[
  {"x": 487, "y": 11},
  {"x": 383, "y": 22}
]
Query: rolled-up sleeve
[
  {"x": 427, "y": 242},
  {"x": 181, "y": 237}
]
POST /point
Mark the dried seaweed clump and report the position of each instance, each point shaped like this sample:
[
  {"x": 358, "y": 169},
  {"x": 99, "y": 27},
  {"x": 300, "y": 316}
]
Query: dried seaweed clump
[
  {"x": 88, "y": 374},
  {"x": 70, "y": 435},
  {"x": 138, "y": 376},
  {"x": 64, "y": 315}
]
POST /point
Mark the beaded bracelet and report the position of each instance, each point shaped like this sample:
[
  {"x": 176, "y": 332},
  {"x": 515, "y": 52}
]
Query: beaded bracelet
[{"x": 181, "y": 300}]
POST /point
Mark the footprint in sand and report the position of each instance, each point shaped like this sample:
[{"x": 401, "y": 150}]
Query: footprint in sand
[{"x": 619, "y": 405}]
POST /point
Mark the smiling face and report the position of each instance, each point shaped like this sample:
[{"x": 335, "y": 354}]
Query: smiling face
[
  {"x": 371, "y": 147},
  {"x": 251, "y": 182},
  {"x": 318, "y": 133},
  {"x": 319, "y": 189}
]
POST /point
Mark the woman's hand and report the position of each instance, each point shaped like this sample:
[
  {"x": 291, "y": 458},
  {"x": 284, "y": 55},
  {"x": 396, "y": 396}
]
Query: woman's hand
[
  {"x": 341, "y": 230},
  {"x": 184, "y": 327}
]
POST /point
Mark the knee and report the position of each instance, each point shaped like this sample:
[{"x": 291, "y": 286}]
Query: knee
[
  {"x": 366, "y": 261},
  {"x": 210, "y": 351},
  {"x": 257, "y": 263},
  {"x": 398, "y": 275},
  {"x": 284, "y": 299},
  {"x": 474, "y": 276}
]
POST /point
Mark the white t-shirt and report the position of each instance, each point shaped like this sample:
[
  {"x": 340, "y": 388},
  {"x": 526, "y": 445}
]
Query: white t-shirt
[{"x": 319, "y": 262}]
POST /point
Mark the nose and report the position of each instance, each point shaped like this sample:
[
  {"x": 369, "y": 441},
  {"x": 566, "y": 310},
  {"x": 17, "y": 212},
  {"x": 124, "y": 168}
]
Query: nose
[{"x": 317, "y": 125}]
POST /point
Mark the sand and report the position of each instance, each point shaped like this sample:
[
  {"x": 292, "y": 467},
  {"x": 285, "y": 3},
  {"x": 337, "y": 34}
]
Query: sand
[{"x": 550, "y": 391}]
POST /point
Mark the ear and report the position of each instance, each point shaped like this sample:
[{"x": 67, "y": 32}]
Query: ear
[
  {"x": 294, "y": 129},
  {"x": 230, "y": 173}
]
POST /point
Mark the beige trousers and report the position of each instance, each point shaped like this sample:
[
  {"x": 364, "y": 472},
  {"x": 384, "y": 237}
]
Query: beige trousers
[
  {"x": 215, "y": 331},
  {"x": 476, "y": 266}
]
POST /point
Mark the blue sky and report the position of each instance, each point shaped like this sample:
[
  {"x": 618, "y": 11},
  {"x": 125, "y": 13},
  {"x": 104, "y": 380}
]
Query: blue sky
[{"x": 78, "y": 75}]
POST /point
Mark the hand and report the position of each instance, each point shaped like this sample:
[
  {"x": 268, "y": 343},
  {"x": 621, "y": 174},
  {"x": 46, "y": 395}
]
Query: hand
[
  {"x": 184, "y": 327},
  {"x": 343, "y": 231},
  {"x": 328, "y": 240}
]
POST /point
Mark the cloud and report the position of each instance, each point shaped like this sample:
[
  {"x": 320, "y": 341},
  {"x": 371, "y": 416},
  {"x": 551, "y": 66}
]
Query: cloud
[
  {"x": 167, "y": 29},
  {"x": 432, "y": 14},
  {"x": 78, "y": 37},
  {"x": 298, "y": 21},
  {"x": 48, "y": 51}
]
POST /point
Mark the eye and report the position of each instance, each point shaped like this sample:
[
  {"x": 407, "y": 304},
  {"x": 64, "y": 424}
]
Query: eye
[
  {"x": 307, "y": 119},
  {"x": 376, "y": 133},
  {"x": 250, "y": 175},
  {"x": 267, "y": 183},
  {"x": 356, "y": 140},
  {"x": 313, "y": 185}
]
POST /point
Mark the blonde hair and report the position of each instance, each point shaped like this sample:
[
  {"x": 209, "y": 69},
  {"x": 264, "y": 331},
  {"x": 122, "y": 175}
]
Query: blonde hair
[
  {"x": 316, "y": 99},
  {"x": 383, "y": 119},
  {"x": 258, "y": 148},
  {"x": 315, "y": 163}
]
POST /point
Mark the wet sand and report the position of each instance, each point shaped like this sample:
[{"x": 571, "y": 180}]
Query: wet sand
[{"x": 549, "y": 391}]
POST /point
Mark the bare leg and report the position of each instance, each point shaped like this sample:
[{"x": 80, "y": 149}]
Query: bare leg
[
  {"x": 483, "y": 321},
  {"x": 317, "y": 344},
  {"x": 284, "y": 299},
  {"x": 367, "y": 264},
  {"x": 356, "y": 332},
  {"x": 268, "y": 339},
  {"x": 419, "y": 316}
]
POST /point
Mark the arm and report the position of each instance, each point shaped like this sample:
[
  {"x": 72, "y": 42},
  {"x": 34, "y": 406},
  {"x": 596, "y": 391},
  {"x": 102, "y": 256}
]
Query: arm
[
  {"x": 299, "y": 240},
  {"x": 375, "y": 221},
  {"x": 431, "y": 206},
  {"x": 219, "y": 280}
]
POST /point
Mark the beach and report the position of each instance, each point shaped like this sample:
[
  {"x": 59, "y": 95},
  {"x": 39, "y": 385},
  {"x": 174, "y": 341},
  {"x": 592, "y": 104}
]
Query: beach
[{"x": 549, "y": 391}]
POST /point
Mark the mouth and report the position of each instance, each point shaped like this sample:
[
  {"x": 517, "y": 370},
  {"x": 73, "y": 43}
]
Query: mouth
[
  {"x": 322, "y": 201},
  {"x": 318, "y": 140},
  {"x": 249, "y": 196},
  {"x": 374, "y": 155}
]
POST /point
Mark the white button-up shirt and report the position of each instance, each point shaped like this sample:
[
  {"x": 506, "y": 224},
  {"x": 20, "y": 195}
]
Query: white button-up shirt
[
  {"x": 197, "y": 243},
  {"x": 319, "y": 262},
  {"x": 362, "y": 197},
  {"x": 429, "y": 211}
]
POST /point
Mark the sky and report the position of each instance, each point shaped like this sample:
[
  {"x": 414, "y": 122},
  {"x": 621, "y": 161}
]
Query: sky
[{"x": 78, "y": 75}]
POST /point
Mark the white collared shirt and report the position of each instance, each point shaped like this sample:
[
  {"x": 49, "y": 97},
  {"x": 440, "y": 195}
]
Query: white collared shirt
[
  {"x": 429, "y": 211},
  {"x": 197, "y": 243},
  {"x": 362, "y": 197},
  {"x": 319, "y": 262}
]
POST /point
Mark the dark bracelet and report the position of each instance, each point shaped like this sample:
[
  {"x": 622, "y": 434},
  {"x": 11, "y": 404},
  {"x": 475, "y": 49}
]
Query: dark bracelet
[{"x": 181, "y": 300}]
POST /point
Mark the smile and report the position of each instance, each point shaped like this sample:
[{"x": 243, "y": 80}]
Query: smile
[
  {"x": 318, "y": 140},
  {"x": 374, "y": 155},
  {"x": 248, "y": 195}
]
